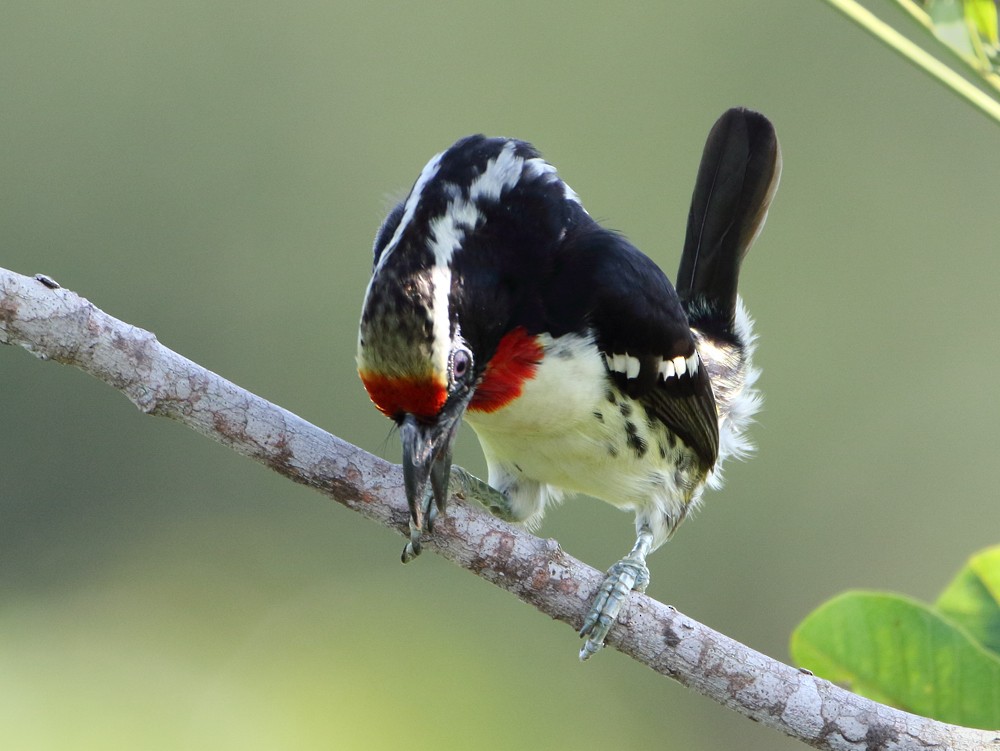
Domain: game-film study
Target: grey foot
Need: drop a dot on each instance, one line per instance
(628, 574)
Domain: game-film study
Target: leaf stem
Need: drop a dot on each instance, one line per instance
(919, 57)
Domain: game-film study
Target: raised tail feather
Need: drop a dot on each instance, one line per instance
(738, 176)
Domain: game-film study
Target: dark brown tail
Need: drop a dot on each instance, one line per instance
(736, 181)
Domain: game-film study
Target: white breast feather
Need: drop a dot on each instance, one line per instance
(551, 440)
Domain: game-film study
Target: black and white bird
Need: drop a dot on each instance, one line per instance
(497, 298)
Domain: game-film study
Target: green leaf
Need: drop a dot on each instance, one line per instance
(982, 14)
(898, 651)
(972, 599)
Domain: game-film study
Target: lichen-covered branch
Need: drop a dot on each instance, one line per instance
(56, 324)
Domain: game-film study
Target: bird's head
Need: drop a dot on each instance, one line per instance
(451, 289)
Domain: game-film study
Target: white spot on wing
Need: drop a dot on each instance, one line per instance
(692, 364)
(632, 366)
(667, 369)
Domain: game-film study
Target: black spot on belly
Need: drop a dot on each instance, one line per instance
(612, 450)
(610, 396)
(625, 408)
(635, 441)
(599, 416)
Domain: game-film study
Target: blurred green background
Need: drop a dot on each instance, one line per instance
(215, 172)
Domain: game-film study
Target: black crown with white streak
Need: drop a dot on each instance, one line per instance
(497, 298)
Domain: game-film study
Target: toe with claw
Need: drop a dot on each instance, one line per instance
(469, 486)
(630, 573)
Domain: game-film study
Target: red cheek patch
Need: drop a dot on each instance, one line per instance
(395, 395)
(515, 361)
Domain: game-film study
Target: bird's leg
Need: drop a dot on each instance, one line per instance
(628, 574)
(468, 486)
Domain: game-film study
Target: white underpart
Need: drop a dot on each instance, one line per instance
(550, 441)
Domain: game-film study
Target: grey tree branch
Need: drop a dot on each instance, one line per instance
(56, 324)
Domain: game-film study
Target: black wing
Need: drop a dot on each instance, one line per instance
(598, 276)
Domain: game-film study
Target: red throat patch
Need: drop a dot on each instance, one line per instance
(516, 360)
(396, 395)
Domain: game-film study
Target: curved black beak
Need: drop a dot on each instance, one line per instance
(427, 458)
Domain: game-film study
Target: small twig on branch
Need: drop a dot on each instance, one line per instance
(57, 324)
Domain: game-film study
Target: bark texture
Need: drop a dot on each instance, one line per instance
(57, 324)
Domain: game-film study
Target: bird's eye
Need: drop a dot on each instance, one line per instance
(461, 363)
